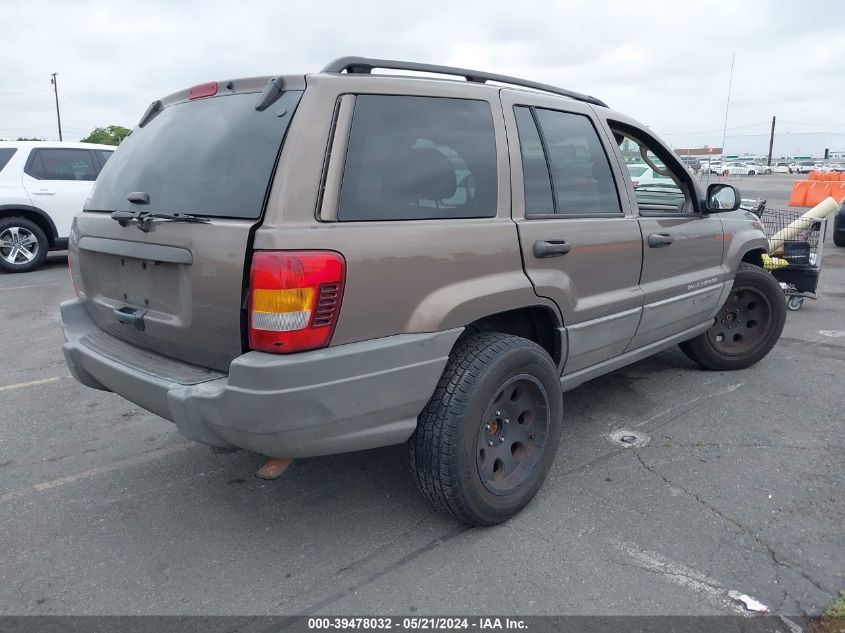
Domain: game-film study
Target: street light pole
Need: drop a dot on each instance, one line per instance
(55, 83)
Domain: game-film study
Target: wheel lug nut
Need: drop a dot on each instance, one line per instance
(498, 412)
(501, 439)
(507, 421)
(531, 436)
(490, 443)
(487, 426)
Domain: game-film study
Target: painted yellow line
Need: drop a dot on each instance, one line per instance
(33, 383)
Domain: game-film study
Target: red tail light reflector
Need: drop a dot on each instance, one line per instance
(294, 299)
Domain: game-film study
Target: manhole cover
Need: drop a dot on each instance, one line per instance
(627, 438)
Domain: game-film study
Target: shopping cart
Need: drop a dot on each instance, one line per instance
(795, 255)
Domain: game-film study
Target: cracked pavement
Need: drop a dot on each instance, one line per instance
(105, 509)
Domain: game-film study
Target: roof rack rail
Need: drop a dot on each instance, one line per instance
(365, 65)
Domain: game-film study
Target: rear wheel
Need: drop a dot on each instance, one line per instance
(487, 438)
(23, 245)
(747, 326)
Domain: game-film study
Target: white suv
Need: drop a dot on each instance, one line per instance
(42, 186)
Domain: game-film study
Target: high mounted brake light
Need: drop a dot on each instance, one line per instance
(203, 90)
(294, 299)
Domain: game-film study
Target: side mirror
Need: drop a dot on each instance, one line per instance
(722, 197)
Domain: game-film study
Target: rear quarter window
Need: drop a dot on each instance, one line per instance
(413, 158)
(6, 154)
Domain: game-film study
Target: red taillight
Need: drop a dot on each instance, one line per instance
(294, 299)
(203, 90)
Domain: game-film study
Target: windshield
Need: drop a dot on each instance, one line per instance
(211, 157)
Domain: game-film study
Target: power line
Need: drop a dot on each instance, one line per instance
(738, 127)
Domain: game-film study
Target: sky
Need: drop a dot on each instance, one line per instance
(666, 63)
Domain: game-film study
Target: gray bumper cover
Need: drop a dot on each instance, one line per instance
(339, 399)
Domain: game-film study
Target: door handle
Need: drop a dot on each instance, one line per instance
(552, 248)
(44, 192)
(657, 240)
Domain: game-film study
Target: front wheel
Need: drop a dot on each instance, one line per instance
(487, 438)
(746, 327)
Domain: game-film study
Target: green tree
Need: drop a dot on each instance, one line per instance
(111, 135)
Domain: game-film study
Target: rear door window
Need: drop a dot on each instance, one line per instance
(565, 167)
(61, 164)
(535, 169)
(413, 158)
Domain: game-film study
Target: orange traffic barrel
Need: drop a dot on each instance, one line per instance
(814, 175)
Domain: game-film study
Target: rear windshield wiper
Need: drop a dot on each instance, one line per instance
(145, 218)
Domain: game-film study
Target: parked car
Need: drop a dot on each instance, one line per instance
(782, 167)
(735, 169)
(806, 166)
(761, 167)
(642, 175)
(42, 186)
(436, 269)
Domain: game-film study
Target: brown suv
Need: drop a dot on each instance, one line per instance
(306, 265)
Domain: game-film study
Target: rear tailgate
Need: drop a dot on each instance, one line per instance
(177, 288)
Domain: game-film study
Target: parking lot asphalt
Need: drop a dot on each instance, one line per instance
(106, 509)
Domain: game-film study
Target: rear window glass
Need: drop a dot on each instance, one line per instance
(211, 157)
(419, 158)
(61, 164)
(6, 154)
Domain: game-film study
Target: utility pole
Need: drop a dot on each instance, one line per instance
(55, 83)
(771, 141)
(728, 105)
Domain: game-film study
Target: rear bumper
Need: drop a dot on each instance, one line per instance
(339, 399)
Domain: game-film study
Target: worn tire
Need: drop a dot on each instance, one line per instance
(839, 237)
(33, 229)
(701, 349)
(443, 448)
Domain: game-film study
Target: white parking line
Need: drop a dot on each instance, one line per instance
(49, 283)
(135, 460)
(679, 574)
(33, 383)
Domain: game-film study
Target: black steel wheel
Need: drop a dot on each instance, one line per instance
(746, 327)
(485, 441)
(512, 434)
(742, 323)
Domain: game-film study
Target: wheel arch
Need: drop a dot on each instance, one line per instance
(754, 256)
(537, 323)
(34, 214)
